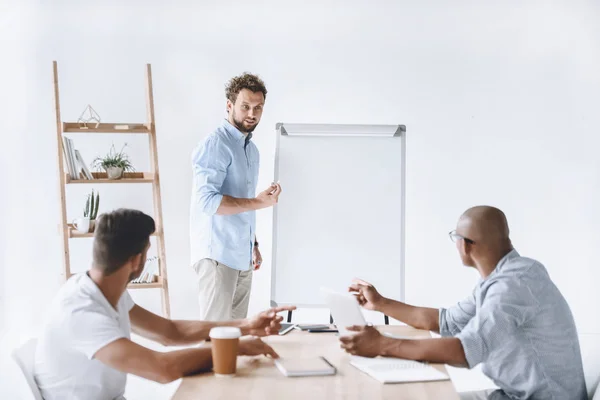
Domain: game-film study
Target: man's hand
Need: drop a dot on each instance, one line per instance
(270, 196)
(255, 347)
(367, 342)
(265, 323)
(256, 258)
(366, 294)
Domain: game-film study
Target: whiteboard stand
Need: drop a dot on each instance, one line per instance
(342, 212)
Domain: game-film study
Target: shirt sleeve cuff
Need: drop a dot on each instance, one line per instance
(91, 352)
(214, 203)
(473, 346)
(444, 329)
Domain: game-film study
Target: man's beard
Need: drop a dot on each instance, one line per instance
(240, 125)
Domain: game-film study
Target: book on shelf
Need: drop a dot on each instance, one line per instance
(73, 159)
(82, 167)
(76, 166)
(68, 160)
(149, 273)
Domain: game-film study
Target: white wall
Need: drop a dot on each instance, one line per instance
(500, 100)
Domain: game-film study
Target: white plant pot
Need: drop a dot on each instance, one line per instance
(114, 172)
(82, 225)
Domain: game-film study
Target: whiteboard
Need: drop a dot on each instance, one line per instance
(341, 211)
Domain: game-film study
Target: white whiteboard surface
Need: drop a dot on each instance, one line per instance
(341, 212)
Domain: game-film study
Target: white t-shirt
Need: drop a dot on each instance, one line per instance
(80, 322)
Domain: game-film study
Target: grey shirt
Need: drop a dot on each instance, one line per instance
(517, 323)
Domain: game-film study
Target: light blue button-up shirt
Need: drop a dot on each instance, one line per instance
(518, 324)
(226, 163)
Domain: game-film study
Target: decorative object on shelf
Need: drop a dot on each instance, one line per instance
(114, 163)
(149, 272)
(91, 210)
(82, 225)
(88, 115)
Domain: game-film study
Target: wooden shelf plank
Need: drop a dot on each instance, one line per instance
(74, 127)
(153, 285)
(145, 177)
(74, 234)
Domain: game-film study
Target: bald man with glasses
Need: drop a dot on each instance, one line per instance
(515, 322)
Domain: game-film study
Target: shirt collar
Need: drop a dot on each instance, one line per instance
(95, 293)
(236, 134)
(503, 261)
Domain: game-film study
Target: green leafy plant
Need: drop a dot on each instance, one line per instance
(114, 159)
(91, 206)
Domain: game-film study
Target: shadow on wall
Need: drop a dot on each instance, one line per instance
(6, 373)
(3, 242)
(590, 354)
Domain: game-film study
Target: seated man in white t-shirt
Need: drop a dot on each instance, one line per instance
(85, 351)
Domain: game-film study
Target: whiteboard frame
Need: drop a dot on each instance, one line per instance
(340, 130)
(346, 131)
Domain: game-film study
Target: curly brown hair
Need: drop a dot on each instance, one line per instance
(245, 81)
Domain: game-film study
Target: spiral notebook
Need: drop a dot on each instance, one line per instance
(312, 366)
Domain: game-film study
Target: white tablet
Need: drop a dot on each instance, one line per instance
(344, 309)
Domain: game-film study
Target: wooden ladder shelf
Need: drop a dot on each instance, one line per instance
(152, 177)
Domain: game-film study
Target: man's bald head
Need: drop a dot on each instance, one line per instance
(485, 225)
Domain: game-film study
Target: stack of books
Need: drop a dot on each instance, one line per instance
(75, 164)
(149, 273)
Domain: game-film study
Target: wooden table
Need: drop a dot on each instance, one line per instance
(258, 378)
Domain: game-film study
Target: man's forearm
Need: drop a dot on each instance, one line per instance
(180, 363)
(233, 205)
(190, 332)
(418, 317)
(443, 351)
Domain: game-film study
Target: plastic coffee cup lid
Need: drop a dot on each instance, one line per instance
(225, 332)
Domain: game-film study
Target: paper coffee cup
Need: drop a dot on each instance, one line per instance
(225, 342)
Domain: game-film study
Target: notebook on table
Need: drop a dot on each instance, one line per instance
(311, 366)
(395, 370)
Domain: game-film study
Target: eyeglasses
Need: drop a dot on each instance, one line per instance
(455, 237)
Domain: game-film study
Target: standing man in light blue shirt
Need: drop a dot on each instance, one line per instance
(516, 322)
(224, 248)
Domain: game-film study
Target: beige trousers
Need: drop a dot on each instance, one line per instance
(224, 293)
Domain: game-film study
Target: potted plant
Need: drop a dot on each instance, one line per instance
(115, 164)
(91, 209)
